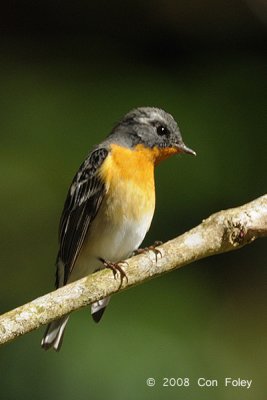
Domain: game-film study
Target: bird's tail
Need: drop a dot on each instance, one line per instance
(54, 333)
(98, 308)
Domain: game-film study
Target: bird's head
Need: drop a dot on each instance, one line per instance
(151, 128)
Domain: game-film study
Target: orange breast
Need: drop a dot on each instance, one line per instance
(129, 178)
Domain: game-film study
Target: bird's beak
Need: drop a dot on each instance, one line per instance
(184, 149)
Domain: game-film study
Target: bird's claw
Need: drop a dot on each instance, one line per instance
(152, 248)
(116, 268)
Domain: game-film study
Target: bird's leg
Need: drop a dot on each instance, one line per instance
(115, 268)
(157, 252)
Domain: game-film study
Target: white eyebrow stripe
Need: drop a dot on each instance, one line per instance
(152, 117)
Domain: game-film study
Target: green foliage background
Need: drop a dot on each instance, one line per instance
(60, 95)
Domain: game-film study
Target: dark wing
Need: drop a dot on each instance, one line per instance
(81, 206)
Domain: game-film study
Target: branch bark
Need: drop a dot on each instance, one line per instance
(221, 232)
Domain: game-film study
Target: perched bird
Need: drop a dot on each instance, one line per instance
(111, 201)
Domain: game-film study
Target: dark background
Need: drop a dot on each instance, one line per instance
(68, 72)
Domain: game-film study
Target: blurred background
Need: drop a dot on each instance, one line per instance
(68, 72)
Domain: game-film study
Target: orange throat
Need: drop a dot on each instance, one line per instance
(135, 165)
(132, 166)
(129, 180)
(160, 154)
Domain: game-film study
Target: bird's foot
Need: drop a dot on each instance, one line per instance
(152, 248)
(116, 268)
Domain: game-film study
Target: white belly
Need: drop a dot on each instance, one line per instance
(110, 240)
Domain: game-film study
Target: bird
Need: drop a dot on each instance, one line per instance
(111, 201)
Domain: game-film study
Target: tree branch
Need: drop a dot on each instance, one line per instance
(221, 232)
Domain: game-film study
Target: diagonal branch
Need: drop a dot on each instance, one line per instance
(221, 232)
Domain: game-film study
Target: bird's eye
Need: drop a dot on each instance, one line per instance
(162, 130)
